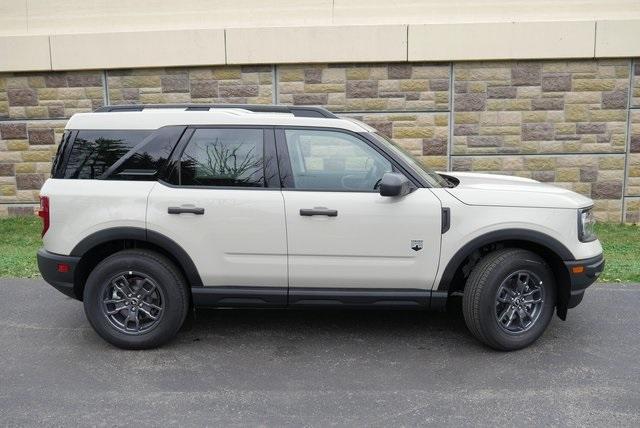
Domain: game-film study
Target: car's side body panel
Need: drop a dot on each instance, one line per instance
(80, 208)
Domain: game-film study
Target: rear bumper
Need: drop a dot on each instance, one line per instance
(591, 269)
(49, 263)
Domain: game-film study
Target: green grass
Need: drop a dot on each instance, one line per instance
(19, 242)
(621, 250)
(20, 239)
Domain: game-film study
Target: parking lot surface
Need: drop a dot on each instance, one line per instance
(317, 368)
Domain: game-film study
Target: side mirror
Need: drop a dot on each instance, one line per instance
(394, 184)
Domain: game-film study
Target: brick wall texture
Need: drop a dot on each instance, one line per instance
(575, 124)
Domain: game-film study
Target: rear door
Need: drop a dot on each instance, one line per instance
(223, 205)
(343, 237)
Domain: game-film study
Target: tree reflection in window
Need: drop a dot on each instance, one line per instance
(224, 157)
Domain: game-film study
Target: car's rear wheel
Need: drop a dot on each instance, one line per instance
(509, 299)
(136, 299)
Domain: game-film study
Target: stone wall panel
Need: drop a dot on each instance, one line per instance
(241, 85)
(540, 107)
(49, 95)
(635, 90)
(633, 157)
(26, 151)
(366, 87)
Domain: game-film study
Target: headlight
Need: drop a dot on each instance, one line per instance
(586, 223)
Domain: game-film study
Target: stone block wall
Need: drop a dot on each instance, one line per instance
(572, 123)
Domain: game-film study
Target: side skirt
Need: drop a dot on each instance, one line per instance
(348, 298)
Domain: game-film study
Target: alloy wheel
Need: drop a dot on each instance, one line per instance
(519, 302)
(133, 303)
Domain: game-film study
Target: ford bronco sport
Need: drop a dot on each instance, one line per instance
(153, 210)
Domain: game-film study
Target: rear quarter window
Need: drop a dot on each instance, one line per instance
(94, 152)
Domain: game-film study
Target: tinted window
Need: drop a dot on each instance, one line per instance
(224, 157)
(94, 152)
(330, 160)
(56, 167)
(147, 159)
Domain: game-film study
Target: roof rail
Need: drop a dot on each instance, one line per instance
(298, 111)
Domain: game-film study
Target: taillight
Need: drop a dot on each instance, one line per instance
(43, 213)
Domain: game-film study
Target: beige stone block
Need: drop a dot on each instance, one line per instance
(593, 84)
(607, 116)
(389, 86)
(467, 117)
(576, 113)
(25, 167)
(441, 120)
(7, 190)
(477, 87)
(414, 85)
(226, 73)
(403, 132)
(500, 130)
(513, 163)
(324, 87)
(540, 164)
(583, 98)
(34, 156)
(287, 74)
(435, 162)
(568, 174)
(611, 162)
(538, 116)
(357, 73)
(486, 164)
(17, 145)
(334, 75)
(509, 104)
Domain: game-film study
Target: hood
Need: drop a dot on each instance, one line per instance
(505, 190)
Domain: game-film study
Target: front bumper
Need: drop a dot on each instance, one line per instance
(582, 274)
(53, 272)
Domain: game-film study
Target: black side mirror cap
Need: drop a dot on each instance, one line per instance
(394, 184)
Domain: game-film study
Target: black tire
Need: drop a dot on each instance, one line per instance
(480, 305)
(161, 273)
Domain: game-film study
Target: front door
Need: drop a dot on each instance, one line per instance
(344, 239)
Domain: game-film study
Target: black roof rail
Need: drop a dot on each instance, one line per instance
(298, 111)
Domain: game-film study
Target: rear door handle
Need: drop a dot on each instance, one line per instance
(307, 212)
(185, 210)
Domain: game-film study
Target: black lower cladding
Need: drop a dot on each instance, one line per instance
(50, 266)
(593, 267)
(298, 297)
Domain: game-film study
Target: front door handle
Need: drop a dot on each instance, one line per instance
(185, 210)
(307, 212)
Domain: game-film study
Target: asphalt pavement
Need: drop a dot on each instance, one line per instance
(317, 368)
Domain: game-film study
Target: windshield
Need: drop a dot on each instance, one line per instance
(433, 178)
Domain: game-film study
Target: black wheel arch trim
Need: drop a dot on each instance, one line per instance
(527, 235)
(140, 234)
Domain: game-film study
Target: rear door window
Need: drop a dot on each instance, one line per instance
(224, 157)
(95, 151)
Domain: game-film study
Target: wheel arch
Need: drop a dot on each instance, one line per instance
(95, 247)
(550, 249)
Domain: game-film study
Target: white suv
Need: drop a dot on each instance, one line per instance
(153, 210)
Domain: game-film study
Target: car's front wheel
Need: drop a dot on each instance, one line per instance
(509, 299)
(136, 299)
